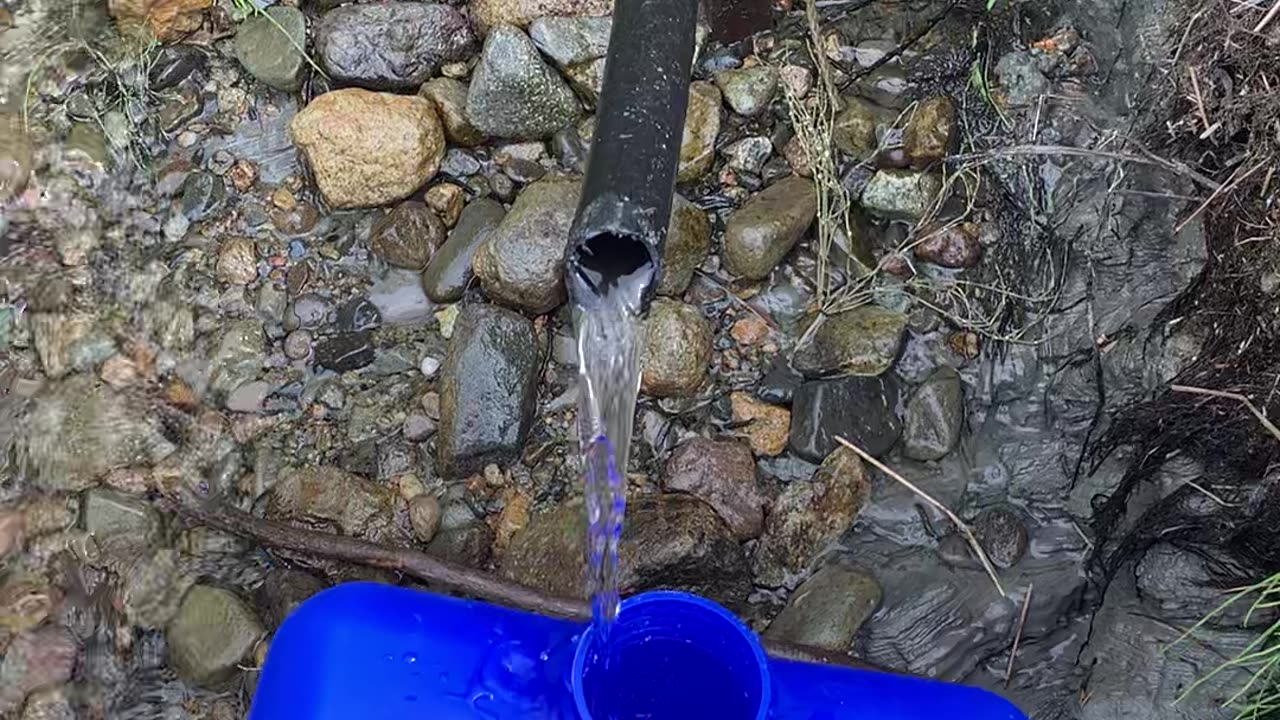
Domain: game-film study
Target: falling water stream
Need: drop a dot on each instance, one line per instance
(608, 318)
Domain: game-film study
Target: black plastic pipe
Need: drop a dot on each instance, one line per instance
(615, 244)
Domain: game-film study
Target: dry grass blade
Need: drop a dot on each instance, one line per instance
(1262, 418)
(955, 519)
(1017, 638)
(1222, 189)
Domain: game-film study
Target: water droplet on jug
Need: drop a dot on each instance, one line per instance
(410, 698)
(390, 657)
(410, 658)
(444, 677)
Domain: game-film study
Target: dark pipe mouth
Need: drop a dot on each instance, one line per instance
(607, 263)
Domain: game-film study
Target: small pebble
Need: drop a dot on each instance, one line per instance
(418, 428)
(409, 486)
(424, 516)
(237, 261)
(431, 404)
(243, 174)
(187, 139)
(297, 345)
(446, 199)
(430, 366)
(455, 70)
(11, 532)
(750, 330)
(797, 80)
(282, 198)
(119, 371)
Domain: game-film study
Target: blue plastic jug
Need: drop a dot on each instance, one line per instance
(377, 652)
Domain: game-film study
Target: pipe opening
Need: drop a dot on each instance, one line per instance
(606, 263)
(671, 656)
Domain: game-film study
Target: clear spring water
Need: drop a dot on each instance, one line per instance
(610, 331)
(609, 374)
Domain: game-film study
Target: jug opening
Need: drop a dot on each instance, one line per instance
(671, 656)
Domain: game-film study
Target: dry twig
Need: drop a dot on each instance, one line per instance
(1017, 638)
(1262, 418)
(955, 519)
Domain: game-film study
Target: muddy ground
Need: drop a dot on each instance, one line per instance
(279, 260)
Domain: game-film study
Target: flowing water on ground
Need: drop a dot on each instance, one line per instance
(609, 336)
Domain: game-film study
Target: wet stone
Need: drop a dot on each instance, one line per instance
(808, 516)
(668, 541)
(213, 631)
(418, 428)
(569, 149)
(309, 311)
(491, 13)
(862, 341)
(571, 40)
(828, 609)
(329, 499)
(688, 242)
(202, 194)
(701, 127)
(488, 390)
(175, 64)
(779, 384)
(749, 154)
(931, 133)
(270, 46)
(407, 236)
(677, 350)
(391, 45)
(957, 246)
(854, 130)
(424, 515)
(723, 474)
(112, 516)
(345, 352)
(934, 417)
(522, 262)
(523, 171)
(449, 271)
(446, 200)
(765, 426)
(367, 148)
(748, 90)
(759, 235)
(1002, 533)
(450, 98)
(459, 163)
(514, 94)
(358, 314)
(35, 660)
(864, 410)
(283, 590)
(901, 194)
(249, 397)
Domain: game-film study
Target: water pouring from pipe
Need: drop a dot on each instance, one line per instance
(614, 259)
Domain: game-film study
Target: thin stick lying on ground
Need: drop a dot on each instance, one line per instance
(1270, 427)
(955, 519)
(410, 562)
(1017, 638)
(1195, 85)
(1224, 188)
(1266, 19)
(1033, 150)
(420, 566)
